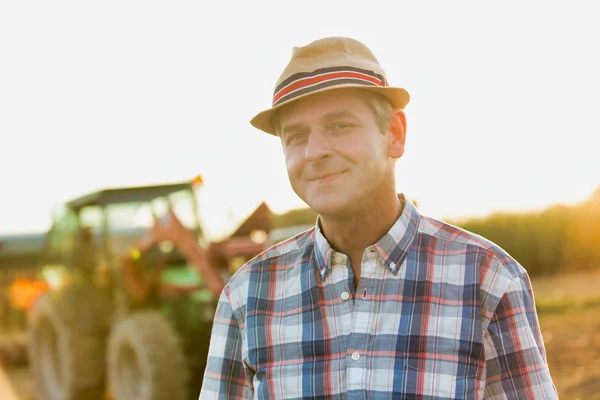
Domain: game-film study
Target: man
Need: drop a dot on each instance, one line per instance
(376, 301)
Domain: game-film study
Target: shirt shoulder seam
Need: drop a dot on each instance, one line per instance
(488, 248)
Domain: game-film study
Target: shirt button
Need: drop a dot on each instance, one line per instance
(345, 296)
(355, 356)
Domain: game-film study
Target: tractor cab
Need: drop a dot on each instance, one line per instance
(97, 229)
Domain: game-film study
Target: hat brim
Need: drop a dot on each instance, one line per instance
(398, 97)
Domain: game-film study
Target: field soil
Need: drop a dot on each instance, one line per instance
(569, 312)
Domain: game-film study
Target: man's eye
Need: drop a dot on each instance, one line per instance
(340, 125)
(294, 138)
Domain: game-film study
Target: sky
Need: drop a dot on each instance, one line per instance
(504, 111)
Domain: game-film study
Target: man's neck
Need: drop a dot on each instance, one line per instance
(353, 234)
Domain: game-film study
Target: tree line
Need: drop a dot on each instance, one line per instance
(557, 239)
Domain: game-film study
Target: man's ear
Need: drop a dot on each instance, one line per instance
(398, 134)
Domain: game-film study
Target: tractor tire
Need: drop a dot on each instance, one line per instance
(146, 361)
(66, 363)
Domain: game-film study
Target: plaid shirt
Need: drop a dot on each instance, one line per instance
(439, 313)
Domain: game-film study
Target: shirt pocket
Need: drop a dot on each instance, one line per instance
(441, 376)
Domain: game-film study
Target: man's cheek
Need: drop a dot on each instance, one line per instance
(294, 167)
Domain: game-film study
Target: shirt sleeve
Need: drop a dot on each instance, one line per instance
(225, 376)
(516, 363)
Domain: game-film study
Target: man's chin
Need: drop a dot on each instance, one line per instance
(329, 207)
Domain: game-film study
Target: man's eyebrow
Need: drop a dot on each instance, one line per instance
(290, 128)
(327, 117)
(339, 114)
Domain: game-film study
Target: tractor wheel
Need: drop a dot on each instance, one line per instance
(145, 360)
(66, 364)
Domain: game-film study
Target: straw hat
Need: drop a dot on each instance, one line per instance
(326, 64)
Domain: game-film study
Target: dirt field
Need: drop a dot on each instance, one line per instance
(569, 311)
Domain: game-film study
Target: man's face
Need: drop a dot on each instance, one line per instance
(337, 158)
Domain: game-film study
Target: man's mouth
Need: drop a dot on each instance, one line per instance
(326, 177)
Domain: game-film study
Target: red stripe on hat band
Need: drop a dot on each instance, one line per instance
(304, 82)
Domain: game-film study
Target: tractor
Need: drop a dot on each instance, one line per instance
(133, 287)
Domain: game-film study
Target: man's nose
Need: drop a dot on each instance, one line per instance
(318, 146)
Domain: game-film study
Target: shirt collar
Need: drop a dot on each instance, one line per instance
(392, 247)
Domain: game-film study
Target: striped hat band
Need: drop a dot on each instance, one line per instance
(306, 82)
